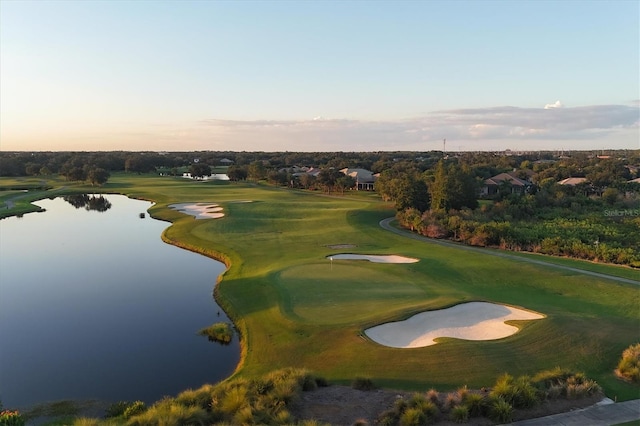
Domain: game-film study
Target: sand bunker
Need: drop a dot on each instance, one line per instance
(392, 258)
(468, 321)
(199, 210)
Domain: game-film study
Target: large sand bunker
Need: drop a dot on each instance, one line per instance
(199, 210)
(468, 321)
(392, 258)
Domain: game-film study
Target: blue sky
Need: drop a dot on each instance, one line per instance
(319, 75)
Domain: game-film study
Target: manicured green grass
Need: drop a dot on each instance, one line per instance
(295, 308)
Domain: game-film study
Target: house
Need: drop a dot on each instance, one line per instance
(365, 179)
(226, 161)
(572, 181)
(515, 184)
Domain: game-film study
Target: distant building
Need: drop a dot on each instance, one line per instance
(226, 161)
(515, 184)
(365, 179)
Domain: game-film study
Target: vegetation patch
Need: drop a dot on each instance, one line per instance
(629, 365)
(220, 332)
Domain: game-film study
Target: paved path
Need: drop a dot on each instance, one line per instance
(385, 224)
(597, 415)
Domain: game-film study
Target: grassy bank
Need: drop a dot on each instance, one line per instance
(295, 308)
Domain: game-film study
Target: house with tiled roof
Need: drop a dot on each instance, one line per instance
(515, 184)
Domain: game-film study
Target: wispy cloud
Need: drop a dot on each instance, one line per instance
(504, 126)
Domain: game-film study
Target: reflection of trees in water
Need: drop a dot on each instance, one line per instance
(89, 202)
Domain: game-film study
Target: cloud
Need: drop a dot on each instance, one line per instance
(492, 128)
(557, 104)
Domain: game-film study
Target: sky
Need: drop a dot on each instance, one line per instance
(319, 75)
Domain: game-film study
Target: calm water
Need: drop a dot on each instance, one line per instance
(94, 305)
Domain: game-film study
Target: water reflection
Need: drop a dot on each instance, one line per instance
(113, 317)
(89, 202)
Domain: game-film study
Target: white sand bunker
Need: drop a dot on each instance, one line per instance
(392, 258)
(199, 210)
(468, 321)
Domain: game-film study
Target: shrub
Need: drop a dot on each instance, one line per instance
(474, 402)
(418, 400)
(116, 409)
(196, 398)
(412, 417)
(629, 365)
(135, 408)
(363, 384)
(430, 410)
(234, 400)
(451, 401)
(388, 418)
(433, 396)
(322, 382)
(462, 392)
(11, 418)
(459, 414)
(500, 410)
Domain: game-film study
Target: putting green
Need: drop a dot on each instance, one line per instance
(343, 293)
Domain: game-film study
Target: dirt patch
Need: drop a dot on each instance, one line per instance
(343, 405)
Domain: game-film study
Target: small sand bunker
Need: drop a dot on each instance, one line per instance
(392, 258)
(467, 321)
(199, 210)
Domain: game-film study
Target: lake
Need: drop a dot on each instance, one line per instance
(94, 305)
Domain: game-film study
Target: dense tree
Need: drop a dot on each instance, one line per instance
(344, 182)
(256, 171)
(327, 179)
(199, 170)
(453, 187)
(98, 176)
(237, 173)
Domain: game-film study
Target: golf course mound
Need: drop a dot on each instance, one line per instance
(467, 321)
(391, 258)
(199, 210)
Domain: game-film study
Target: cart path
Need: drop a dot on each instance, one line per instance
(386, 224)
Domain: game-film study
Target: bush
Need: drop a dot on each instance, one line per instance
(116, 409)
(474, 402)
(500, 410)
(135, 408)
(363, 384)
(460, 414)
(433, 396)
(11, 418)
(412, 417)
(629, 365)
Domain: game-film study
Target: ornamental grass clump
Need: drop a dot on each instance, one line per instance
(11, 418)
(629, 365)
(459, 414)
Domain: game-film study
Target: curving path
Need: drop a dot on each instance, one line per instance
(386, 224)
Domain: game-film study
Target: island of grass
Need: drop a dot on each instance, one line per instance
(294, 308)
(221, 332)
